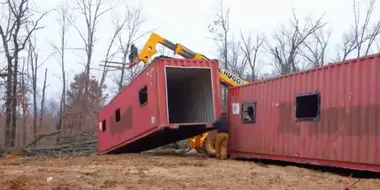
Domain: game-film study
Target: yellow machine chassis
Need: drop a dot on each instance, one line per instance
(205, 142)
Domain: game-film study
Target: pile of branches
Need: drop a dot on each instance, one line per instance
(81, 144)
(77, 139)
(70, 149)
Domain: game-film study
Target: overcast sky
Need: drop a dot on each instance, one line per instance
(186, 22)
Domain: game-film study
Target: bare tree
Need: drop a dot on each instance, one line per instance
(61, 50)
(220, 29)
(288, 43)
(132, 31)
(347, 47)
(92, 11)
(52, 108)
(24, 100)
(236, 59)
(43, 100)
(314, 49)
(371, 38)
(14, 39)
(251, 51)
(363, 34)
(33, 63)
(109, 55)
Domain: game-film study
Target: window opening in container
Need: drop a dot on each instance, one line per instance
(308, 107)
(248, 115)
(143, 95)
(117, 115)
(104, 125)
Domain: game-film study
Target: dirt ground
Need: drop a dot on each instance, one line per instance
(164, 171)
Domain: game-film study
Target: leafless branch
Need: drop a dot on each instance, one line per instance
(314, 50)
(35, 26)
(361, 35)
(251, 51)
(219, 29)
(64, 22)
(288, 43)
(92, 11)
(237, 61)
(118, 27)
(40, 136)
(134, 20)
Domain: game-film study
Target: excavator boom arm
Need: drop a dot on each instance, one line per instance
(149, 49)
(227, 78)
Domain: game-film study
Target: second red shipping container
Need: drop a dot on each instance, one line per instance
(325, 116)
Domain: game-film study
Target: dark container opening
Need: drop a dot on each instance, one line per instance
(189, 95)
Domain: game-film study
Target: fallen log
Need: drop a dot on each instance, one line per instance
(59, 147)
(40, 136)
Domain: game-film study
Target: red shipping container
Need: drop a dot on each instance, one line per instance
(325, 116)
(170, 100)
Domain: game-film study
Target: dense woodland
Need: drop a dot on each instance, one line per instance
(299, 44)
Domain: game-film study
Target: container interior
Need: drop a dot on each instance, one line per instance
(189, 95)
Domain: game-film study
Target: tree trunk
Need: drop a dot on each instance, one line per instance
(62, 103)
(63, 95)
(43, 100)
(8, 110)
(35, 97)
(122, 72)
(14, 103)
(24, 125)
(24, 105)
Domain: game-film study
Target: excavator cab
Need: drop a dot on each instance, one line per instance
(133, 55)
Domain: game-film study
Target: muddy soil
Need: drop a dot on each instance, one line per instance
(164, 171)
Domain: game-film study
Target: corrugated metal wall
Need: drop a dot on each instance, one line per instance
(200, 98)
(349, 125)
(135, 118)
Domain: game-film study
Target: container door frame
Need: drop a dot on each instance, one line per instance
(187, 67)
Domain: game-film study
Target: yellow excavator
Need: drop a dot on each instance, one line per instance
(204, 141)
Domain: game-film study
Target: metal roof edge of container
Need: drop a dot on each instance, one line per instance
(329, 65)
(153, 63)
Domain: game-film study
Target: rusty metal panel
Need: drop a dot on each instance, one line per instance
(346, 133)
